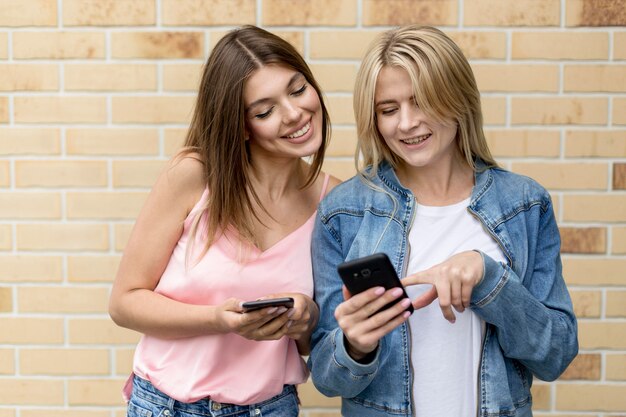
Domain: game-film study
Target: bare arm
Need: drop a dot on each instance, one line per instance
(135, 305)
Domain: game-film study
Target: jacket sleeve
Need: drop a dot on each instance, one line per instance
(533, 317)
(333, 371)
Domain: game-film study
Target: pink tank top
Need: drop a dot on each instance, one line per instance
(227, 367)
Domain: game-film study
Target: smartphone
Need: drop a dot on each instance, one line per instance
(371, 271)
(269, 302)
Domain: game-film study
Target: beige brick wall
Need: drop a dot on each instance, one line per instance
(95, 96)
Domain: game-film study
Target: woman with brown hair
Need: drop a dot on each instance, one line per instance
(228, 221)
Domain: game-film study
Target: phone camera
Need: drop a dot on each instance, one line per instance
(366, 273)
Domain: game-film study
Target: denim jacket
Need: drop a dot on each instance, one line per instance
(530, 325)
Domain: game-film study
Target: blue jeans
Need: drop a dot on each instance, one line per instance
(147, 401)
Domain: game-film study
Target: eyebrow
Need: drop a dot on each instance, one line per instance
(383, 102)
(389, 101)
(291, 82)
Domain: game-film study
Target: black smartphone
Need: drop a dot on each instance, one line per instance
(269, 302)
(371, 271)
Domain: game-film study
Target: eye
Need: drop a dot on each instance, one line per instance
(264, 115)
(388, 111)
(300, 90)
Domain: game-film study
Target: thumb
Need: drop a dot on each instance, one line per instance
(233, 304)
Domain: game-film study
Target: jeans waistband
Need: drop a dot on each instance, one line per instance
(145, 390)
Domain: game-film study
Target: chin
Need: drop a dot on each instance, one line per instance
(312, 146)
(416, 162)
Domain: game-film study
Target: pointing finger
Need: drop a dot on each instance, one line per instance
(422, 277)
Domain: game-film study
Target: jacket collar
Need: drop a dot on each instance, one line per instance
(388, 176)
(482, 179)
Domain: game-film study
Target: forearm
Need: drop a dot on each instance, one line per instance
(334, 372)
(151, 313)
(540, 334)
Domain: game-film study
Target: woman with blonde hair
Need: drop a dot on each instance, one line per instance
(480, 241)
(229, 221)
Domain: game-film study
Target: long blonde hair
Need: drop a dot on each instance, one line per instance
(217, 130)
(443, 85)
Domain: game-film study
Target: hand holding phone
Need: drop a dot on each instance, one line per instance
(286, 302)
(361, 274)
(362, 334)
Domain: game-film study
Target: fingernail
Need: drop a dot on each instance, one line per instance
(271, 310)
(281, 310)
(406, 314)
(405, 303)
(396, 292)
(289, 323)
(452, 321)
(291, 311)
(379, 291)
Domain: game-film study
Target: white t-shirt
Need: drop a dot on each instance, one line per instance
(445, 356)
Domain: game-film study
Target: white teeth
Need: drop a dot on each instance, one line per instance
(416, 140)
(300, 132)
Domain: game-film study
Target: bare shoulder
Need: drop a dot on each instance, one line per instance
(332, 182)
(187, 168)
(182, 179)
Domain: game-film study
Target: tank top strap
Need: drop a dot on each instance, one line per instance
(324, 186)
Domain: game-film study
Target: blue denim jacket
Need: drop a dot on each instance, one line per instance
(531, 328)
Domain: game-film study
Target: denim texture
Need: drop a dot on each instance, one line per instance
(147, 401)
(531, 328)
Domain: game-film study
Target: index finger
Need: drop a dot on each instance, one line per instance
(357, 301)
(421, 277)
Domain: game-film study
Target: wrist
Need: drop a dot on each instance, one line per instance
(481, 274)
(215, 321)
(357, 355)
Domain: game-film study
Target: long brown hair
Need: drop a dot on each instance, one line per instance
(217, 130)
(443, 85)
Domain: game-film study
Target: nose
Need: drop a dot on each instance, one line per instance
(410, 118)
(291, 113)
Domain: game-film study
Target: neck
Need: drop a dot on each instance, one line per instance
(442, 183)
(274, 180)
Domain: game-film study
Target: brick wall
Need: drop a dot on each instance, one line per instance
(95, 96)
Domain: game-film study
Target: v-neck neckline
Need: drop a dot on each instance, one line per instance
(284, 238)
(230, 243)
(234, 247)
